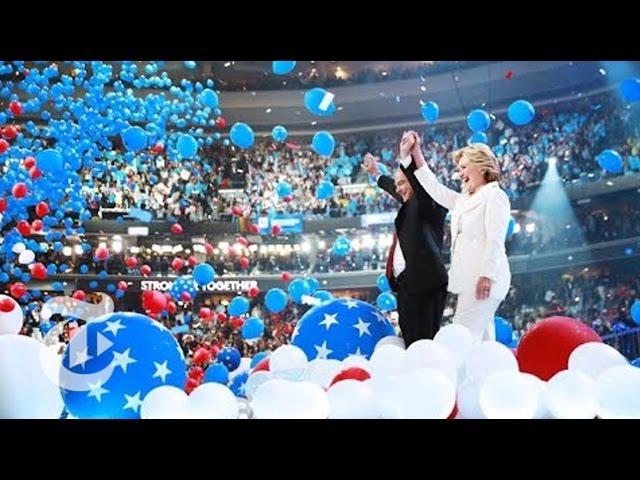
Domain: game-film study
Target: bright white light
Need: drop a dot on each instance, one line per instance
(134, 249)
(102, 245)
(553, 161)
(178, 249)
(517, 228)
(263, 249)
(116, 246)
(166, 249)
(367, 241)
(530, 227)
(223, 245)
(305, 246)
(253, 248)
(78, 250)
(322, 244)
(66, 251)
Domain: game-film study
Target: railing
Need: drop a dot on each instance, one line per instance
(627, 342)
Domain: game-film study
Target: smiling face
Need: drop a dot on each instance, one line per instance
(403, 187)
(471, 175)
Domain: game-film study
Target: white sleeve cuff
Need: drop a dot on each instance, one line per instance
(405, 161)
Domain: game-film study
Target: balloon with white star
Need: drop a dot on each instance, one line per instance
(185, 283)
(114, 361)
(340, 328)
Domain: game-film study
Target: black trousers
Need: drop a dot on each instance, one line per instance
(419, 315)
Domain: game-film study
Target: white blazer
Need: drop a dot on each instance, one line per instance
(479, 224)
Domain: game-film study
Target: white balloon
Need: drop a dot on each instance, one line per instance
(356, 361)
(26, 257)
(254, 381)
(593, 358)
(165, 402)
(287, 357)
(427, 393)
(618, 392)
(490, 357)
(284, 399)
(468, 401)
(322, 371)
(19, 248)
(458, 339)
(541, 386)
(429, 354)
(386, 392)
(26, 390)
(11, 322)
(390, 340)
(213, 401)
(509, 395)
(388, 360)
(351, 399)
(571, 395)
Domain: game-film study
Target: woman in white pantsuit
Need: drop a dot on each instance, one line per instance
(479, 273)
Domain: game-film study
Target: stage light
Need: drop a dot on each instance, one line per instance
(66, 251)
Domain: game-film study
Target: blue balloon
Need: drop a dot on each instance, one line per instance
(50, 161)
(257, 358)
(340, 328)
(478, 120)
(430, 112)
(92, 285)
(229, 357)
(204, 274)
(298, 288)
(323, 295)
(276, 300)
(126, 355)
(319, 102)
(182, 284)
(314, 284)
(238, 306)
(190, 64)
(324, 190)
(216, 373)
(252, 328)
(209, 98)
(630, 89)
(242, 135)
(383, 283)
(521, 112)
(504, 331)
(282, 67)
(511, 227)
(479, 137)
(636, 362)
(187, 146)
(134, 138)
(610, 160)
(279, 133)
(341, 246)
(84, 269)
(323, 143)
(238, 384)
(635, 312)
(386, 302)
(284, 189)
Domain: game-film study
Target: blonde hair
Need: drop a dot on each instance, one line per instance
(482, 156)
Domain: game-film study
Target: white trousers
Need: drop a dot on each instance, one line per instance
(477, 315)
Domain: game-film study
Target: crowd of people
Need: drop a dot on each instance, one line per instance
(574, 133)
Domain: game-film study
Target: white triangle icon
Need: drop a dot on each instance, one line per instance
(104, 344)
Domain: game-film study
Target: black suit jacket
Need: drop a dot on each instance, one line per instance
(420, 229)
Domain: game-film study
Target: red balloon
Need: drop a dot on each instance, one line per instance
(288, 328)
(193, 261)
(155, 303)
(3, 205)
(177, 264)
(285, 277)
(196, 372)
(191, 385)
(262, 366)
(236, 322)
(185, 297)
(7, 305)
(79, 295)
(102, 253)
(236, 210)
(37, 225)
(15, 107)
(158, 148)
(145, 270)
(34, 173)
(171, 308)
(221, 122)
(243, 241)
(201, 356)
(122, 285)
(205, 314)
(24, 228)
(19, 190)
(42, 209)
(18, 289)
(254, 228)
(131, 262)
(276, 229)
(208, 248)
(221, 317)
(352, 373)
(29, 162)
(9, 132)
(244, 262)
(176, 228)
(38, 271)
(508, 75)
(214, 351)
(254, 292)
(453, 413)
(545, 349)
(287, 198)
(4, 145)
